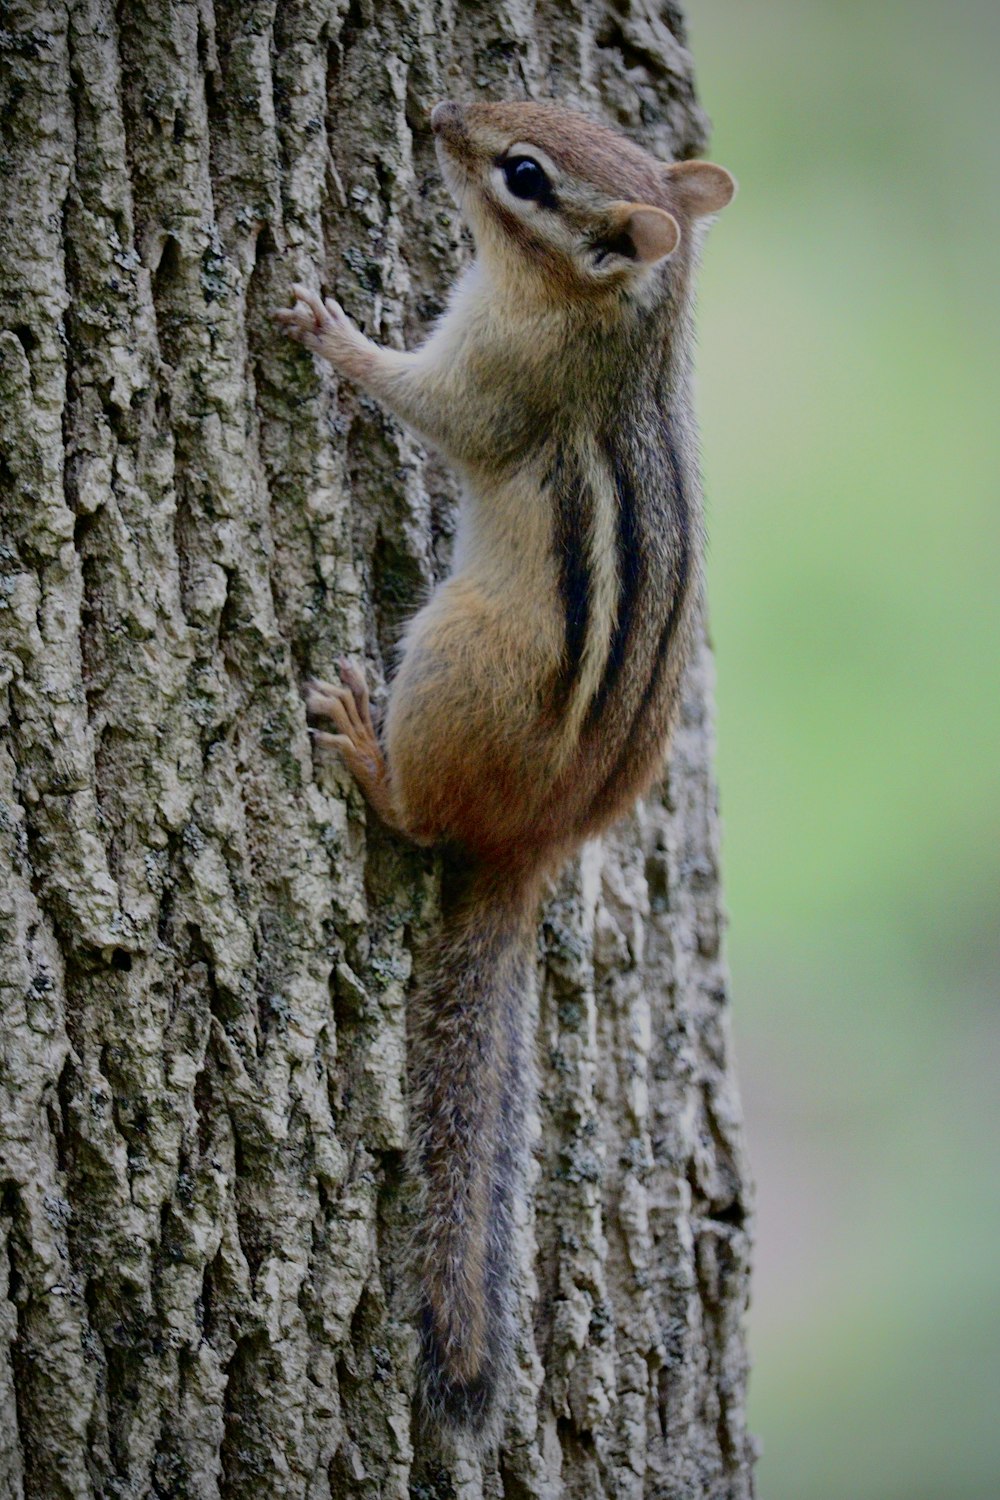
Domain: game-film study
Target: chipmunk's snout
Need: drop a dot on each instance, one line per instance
(454, 150)
(446, 117)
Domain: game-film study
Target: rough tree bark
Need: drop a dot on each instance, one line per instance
(207, 944)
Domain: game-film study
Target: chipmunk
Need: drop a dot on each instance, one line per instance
(535, 691)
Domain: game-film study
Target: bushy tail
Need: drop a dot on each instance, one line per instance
(470, 1079)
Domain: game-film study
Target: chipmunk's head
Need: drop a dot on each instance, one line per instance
(543, 187)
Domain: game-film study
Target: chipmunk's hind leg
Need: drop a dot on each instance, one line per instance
(346, 705)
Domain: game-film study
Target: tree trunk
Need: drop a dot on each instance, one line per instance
(208, 943)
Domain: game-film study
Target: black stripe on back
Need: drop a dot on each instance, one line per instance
(572, 516)
(630, 571)
(681, 512)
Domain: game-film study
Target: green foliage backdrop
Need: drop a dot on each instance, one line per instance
(849, 332)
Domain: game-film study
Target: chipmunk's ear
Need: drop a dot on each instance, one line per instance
(699, 187)
(651, 233)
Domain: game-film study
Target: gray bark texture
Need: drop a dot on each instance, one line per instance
(207, 942)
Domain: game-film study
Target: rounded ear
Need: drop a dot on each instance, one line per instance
(700, 187)
(652, 233)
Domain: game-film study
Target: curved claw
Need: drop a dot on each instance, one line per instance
(313, 301)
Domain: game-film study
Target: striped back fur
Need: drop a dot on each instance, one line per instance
(627, 535)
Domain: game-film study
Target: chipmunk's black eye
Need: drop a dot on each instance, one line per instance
(526, 179)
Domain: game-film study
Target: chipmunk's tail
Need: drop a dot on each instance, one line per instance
(470, 1078)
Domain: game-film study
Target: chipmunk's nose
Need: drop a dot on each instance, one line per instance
(445, 113)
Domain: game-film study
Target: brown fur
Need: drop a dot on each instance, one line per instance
(536, 689)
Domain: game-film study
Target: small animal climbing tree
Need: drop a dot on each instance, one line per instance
(207, 945)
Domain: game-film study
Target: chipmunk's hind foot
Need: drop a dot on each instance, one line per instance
(347, 707)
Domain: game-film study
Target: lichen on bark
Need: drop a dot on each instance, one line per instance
(207, 944)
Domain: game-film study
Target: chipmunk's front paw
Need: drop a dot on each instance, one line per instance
(323, 327)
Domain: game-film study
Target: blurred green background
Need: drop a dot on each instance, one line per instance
(849, 336)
